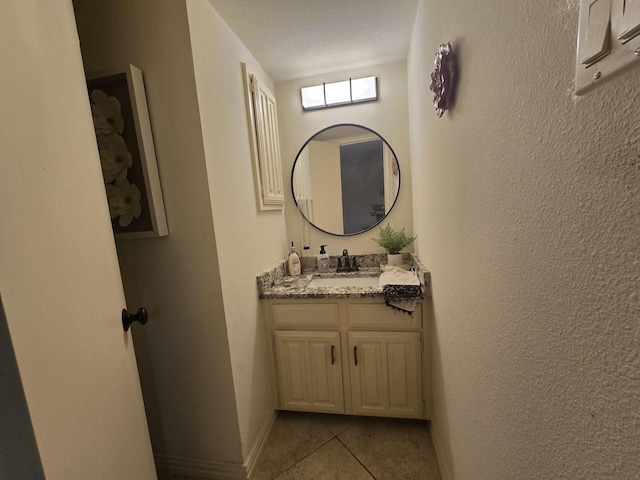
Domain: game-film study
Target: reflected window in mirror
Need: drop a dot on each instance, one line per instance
(345, 179)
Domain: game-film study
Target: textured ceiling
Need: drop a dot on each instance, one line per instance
(297, 38)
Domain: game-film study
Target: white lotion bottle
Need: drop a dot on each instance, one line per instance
(323, 260)
(293, 262)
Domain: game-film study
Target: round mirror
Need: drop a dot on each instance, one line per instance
(345, 179)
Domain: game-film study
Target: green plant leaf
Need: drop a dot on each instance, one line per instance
(392, 241)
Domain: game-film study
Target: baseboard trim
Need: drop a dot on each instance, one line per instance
(173, 464)
(255, 453)
(440, 452)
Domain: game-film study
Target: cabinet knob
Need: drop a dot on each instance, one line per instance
(333, 354)
(128, 318)
(355, 355)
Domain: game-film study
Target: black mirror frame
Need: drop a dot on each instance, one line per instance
(395, 200)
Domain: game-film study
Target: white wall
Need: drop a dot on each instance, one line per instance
(526, 209)
(326, 186)
(388, 117)
(248, 241)
(20, 457)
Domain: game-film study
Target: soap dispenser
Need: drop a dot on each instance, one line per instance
(323, 260)
(293, 262)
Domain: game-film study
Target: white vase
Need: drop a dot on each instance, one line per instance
(394, 259)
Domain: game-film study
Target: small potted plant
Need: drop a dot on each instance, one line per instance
(393, 242)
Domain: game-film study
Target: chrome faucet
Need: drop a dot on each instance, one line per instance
(348, 266)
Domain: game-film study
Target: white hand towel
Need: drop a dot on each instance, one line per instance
(398, 276)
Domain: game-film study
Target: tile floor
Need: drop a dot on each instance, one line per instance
(305, 446)
(309, 446)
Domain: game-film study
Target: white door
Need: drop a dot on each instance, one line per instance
(368, 374)
(59, 277)
(385, 373)
(309, 371)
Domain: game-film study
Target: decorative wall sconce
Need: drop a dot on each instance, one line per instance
(443, 78)
(346, 92)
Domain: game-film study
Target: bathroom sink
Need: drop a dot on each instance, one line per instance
(317, 282)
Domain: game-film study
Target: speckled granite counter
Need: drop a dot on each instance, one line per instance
(275, 284)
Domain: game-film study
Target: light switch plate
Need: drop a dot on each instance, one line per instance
(630, 26)
(598, 37)
(624, 53)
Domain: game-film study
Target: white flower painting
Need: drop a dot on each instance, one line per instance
(124, 202)
(120, 115)
(107, 113)
(115, 158)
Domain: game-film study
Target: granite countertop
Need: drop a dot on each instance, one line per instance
(297, 287)
(275, 284)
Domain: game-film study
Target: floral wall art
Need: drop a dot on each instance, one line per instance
(127, 156)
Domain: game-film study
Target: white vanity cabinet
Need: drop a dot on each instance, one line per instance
(348, 355)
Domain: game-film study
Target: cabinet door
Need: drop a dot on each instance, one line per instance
(385, 373)
(309, 370)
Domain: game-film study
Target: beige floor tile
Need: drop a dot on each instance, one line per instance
(331, 462)
(337, 423)
(294, 436)
(392, 449)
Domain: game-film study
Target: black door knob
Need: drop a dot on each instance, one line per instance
(128, 318)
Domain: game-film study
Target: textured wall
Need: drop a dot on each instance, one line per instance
(526, 203)
(247, 241)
